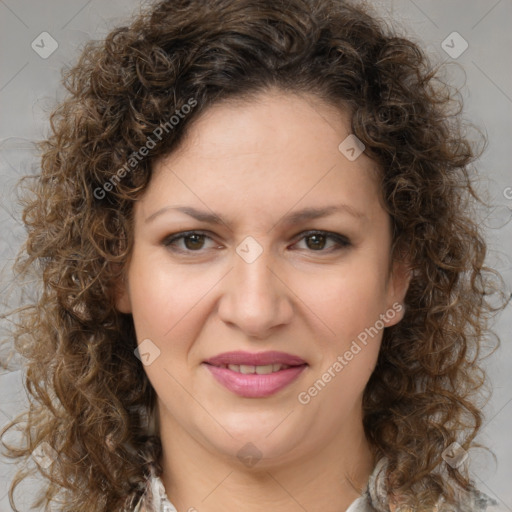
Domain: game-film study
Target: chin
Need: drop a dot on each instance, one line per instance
(254, 449)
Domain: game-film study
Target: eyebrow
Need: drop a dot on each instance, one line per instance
(291, 218)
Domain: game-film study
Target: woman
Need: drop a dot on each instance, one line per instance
(262, 286)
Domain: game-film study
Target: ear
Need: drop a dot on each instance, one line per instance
(122, 295)
(398, 284)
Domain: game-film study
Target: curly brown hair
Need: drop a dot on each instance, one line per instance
(90, 398)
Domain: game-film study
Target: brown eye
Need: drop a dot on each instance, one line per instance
(317, 241)
(191, 241)
(194, 242)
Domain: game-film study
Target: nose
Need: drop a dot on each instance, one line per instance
(255, 297)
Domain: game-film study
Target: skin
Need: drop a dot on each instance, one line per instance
(252, 164)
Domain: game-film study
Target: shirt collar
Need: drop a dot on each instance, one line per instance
(373, 499)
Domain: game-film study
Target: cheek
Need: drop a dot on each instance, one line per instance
(350, 305)
(165, 298)
(345, 300)
(167, 304)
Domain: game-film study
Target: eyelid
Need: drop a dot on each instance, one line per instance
(342, 240)
(183, 234)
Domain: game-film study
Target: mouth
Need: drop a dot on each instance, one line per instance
(248, 369)
(258, 359)
(255, 375)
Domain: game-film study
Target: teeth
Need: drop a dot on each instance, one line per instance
(268, 368)
(260, 370)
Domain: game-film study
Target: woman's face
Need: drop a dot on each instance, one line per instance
(256, 282)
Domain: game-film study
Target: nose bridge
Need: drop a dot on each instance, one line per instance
(255, 299)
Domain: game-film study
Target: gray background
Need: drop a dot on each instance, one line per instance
(29, 88)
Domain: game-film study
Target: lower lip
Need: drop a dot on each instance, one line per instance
(255, 385)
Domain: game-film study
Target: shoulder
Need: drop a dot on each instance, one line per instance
(374, 499)
(154, 498)
(377, 498)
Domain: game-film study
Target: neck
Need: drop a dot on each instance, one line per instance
(327, 478)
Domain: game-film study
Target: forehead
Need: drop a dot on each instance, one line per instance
(269, 123)
(273, 151)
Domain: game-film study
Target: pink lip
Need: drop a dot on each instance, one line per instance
(254, 385)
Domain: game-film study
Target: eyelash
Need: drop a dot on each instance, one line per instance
(341, 241)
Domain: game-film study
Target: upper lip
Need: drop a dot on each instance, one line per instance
(255, 359)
